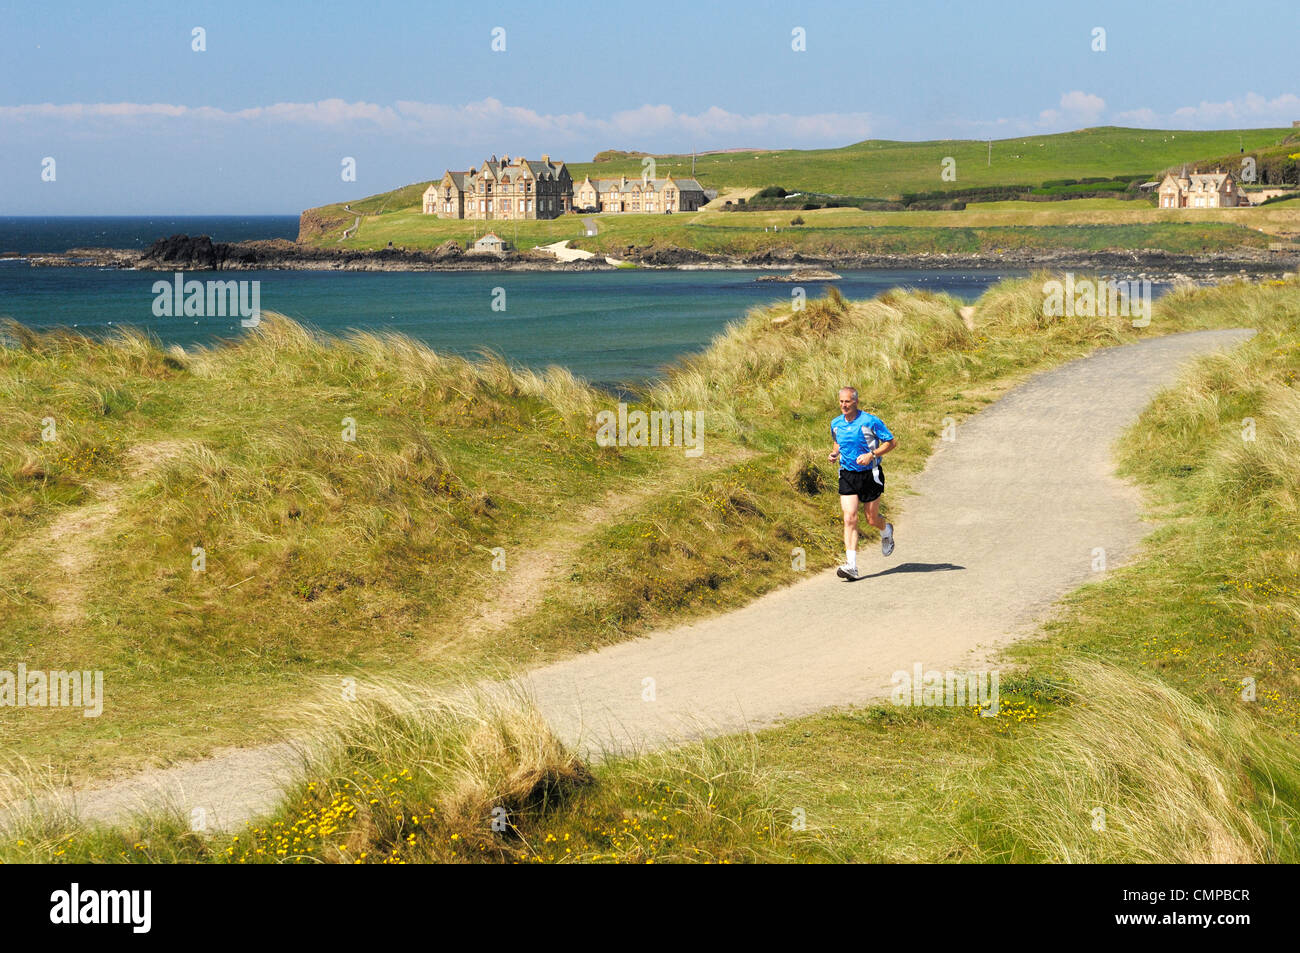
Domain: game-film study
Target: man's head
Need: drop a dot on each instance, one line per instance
(848, 399)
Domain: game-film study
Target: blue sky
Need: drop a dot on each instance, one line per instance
(139, 122)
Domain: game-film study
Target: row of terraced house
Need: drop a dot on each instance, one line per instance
(517, 188)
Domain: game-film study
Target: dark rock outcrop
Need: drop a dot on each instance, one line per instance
(668, 255)
(198, 253)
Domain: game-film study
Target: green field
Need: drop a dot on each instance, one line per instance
(1130, 701)
(885, 169)
(881, 169)
(845, 232)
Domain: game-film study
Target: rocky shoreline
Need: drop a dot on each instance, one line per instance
(200, 253)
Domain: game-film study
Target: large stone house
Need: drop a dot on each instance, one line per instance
(1201, 190)
(638, 195)
(503, 189)
(506, 189)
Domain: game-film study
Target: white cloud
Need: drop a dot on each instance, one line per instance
(1079, 103)
(1143, 117)
(1076, 108)
(1252, 108)
(325, 111)
(1249, 110)
(491, 118)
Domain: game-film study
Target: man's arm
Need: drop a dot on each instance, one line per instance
(835, 451)
(871, 456)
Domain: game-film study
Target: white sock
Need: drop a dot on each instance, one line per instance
(852, 556)
(889, 530)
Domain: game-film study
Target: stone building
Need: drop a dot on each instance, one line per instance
(503, 189)
(1201, 190)
(491, 243)
(638, 195)
(511, 189)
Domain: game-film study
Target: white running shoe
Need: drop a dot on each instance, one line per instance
(887, 540)
(848, 572)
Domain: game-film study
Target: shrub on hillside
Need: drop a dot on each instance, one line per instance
(805, 475)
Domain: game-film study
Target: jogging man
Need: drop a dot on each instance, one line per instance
(860, 440)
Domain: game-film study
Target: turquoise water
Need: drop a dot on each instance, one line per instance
(610, 327)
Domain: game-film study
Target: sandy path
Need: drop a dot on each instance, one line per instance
(1003, 521)
(71, 537)
(563, 252)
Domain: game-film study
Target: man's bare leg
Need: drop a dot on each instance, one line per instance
(873, 514)
(849, 507)
(886, 529)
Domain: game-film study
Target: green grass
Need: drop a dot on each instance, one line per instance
(850, 233)
(886, 169)
(327, 558)
(1131, 702)
(879, 168)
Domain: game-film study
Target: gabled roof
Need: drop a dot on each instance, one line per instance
(1197, 181)
(655, 185)
(495, 170)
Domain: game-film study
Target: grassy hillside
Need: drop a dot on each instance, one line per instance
(1131, 702)
(843, 232)
(328, 557)
(885, 169)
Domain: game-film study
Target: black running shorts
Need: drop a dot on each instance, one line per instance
(862, 484)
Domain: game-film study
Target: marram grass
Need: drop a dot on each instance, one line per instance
(1153, 657)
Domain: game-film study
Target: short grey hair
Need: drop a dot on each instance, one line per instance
(847, 387)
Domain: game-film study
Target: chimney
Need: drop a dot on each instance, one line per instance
(546, 159)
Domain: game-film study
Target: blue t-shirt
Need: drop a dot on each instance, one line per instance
(862, 435)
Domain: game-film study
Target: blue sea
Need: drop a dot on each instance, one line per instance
(44, 234)
(612, 328)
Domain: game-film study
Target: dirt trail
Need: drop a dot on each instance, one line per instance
(1001, 523)
(532, 574)
(526, 583)
(72, 536)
